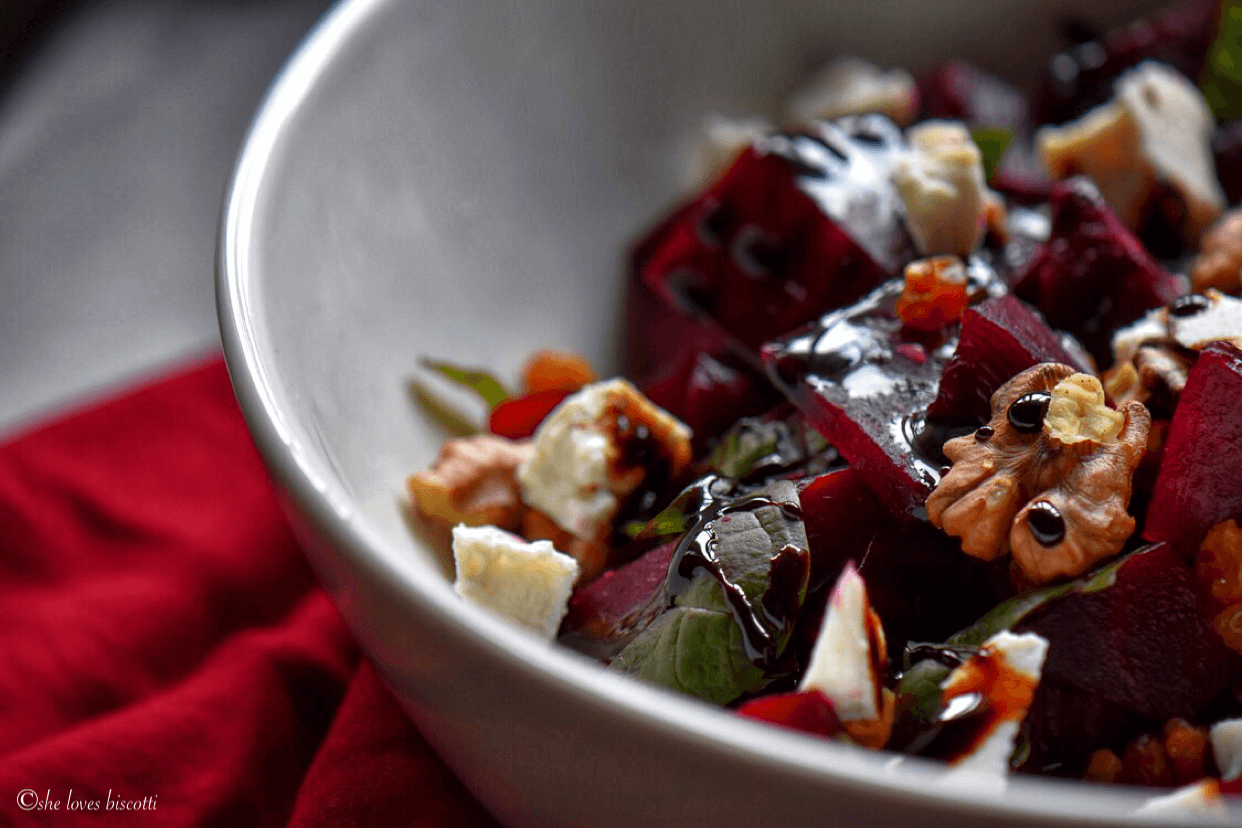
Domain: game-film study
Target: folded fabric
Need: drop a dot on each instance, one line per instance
(166, 657)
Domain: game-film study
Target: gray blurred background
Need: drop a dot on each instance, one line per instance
(119, 124)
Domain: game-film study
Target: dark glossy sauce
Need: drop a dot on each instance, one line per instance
(697, 552)
(982, 693)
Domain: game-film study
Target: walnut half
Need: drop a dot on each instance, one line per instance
(1048, 479)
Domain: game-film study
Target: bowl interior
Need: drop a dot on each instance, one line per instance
(461, 180)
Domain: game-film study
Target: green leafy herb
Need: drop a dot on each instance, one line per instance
(444, 413)
(757, 444)
(490, 389)
(705, 643)
(1221, 83)
(992, 142)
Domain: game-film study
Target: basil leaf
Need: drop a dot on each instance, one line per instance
(759, 444)
(480, 382)
(992, 143)
(442, 412)
(1221, 83)
(735, 588)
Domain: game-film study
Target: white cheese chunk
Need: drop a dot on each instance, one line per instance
(841, 660)
(941, 184)
(573, 475)
(1220, 319)
(1226, 740)
(1020, 654)
(1198, 799)
(852, 86)
(1157, 128)
(529, 583)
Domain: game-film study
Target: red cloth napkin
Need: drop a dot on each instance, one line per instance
(166, 656)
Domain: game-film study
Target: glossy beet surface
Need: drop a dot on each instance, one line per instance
(1199, 484)
(863, 383)
(1000, 338)
(1093, 275)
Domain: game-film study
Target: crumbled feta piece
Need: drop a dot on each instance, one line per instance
(1206, 318)
(529, 583)
(723, 139)
(841, 663)
(577, 474)
(1021, 657)
(1157, 128)
(1198, 799)
(1226, 737)
(941, 184)
(1220, 317)
(852, 86)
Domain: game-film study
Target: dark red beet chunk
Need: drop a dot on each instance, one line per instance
(861, 384)
(1124, 659)
(607, 612)
(1093, 275)
(961, 92)
(1200, 479)
(796, 227)
(1000, 337)
(1083, 76)
(709, 393)
(920, 583)
(807, 710)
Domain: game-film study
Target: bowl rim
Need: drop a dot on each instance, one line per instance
(324, 503)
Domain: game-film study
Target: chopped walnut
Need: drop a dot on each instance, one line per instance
(1219, 263)
(472, 481)
(549, 370)
(1218, 565)
(1154, 355)
(1077, 413)
(1019, 486)
(934, 294)
(1175, 756)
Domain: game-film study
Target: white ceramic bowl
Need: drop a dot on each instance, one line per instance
(459, 179)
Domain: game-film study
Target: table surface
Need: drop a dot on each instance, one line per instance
(118, 134)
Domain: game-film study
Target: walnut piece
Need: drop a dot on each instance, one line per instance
(1057, 506)
(1077, 413)
(472, 481)
(1219, 263)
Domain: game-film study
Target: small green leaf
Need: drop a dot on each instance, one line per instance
(444, 413)
(1221, 82)
(992, 142)
(477, 380)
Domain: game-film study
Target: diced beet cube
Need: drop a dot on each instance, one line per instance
(807, 710)
(1000, 338)
(861, 383)
(1082, 77)
(799, 224)
(709, 393)
(919, 582)
(605, 614)
(1200, 479)
(961, 92)
(1093, 275)
(1124, 658)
